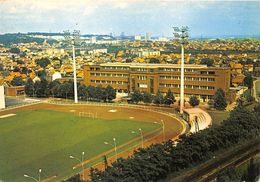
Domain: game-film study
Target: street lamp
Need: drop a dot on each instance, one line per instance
(81, 161)
(141, 134)
(39, 176)
(163, 127)
(115, 147)
(182, 36)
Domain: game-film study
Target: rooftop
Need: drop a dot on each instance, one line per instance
(146, 65)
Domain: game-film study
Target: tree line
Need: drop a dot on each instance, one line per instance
(43, 88)
(157, 161)
(147, 98)
(218, 102)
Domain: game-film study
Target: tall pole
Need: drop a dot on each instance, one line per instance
(75, 75)
(82, 165)
(40, 170)
(181, 34)
(81, 161)
(142, 137)
(115, 147)
(182, 80)
(163, 127)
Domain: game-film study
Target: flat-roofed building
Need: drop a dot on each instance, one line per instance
(200, 80)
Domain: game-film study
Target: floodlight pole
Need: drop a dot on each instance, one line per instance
(182, 35)
(182, 80)
(75, 74)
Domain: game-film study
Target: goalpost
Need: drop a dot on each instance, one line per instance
(88, 115)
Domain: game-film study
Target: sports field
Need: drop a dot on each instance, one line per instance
(45, 138)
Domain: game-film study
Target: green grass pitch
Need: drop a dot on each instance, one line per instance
(45, 139)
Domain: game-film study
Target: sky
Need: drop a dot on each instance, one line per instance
(133, 17)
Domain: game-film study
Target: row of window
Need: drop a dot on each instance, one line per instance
(187, 78)
(116, 68)
(109, 82)
(177, 69)
(197, 87)
(109, 75)
(142, 77)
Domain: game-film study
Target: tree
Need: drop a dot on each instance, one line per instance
(158, 99)
(53, 87)
(192, 61)
(257, 110)
(169, 98)
(17, 81)
(229, 174)
(15, 50)
(43, 62)
(29, 87)
(220, 102)
(154, 60)
(91, 92)
(194, 101)
(147, 98)
(207, 61)
(100, 94)
(82, 92)
(136, 97)
(248, 80)
(63, 90)
(110, 93)
(42, 90)
(1, 67)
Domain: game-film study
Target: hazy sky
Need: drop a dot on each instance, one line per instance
(134, 17)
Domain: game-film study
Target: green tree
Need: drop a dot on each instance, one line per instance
(158, 99)
(15, 50)
(42, 88)
(257, 110)
(29, 87)
(82, 92)
(147, 98)
(194, 101)
(154, 60)
(17, 81)
(228, 175)
(43, 62)
(91, 91)
(110, 93)
(248, 80)
(99, 93)
(169, 98)
(207, 61)
(1, 67)
(64, 90)
(53, 87)
(136, 97)
(192, 61)
(220, 102)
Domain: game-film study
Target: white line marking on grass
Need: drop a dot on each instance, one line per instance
(7, 115)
